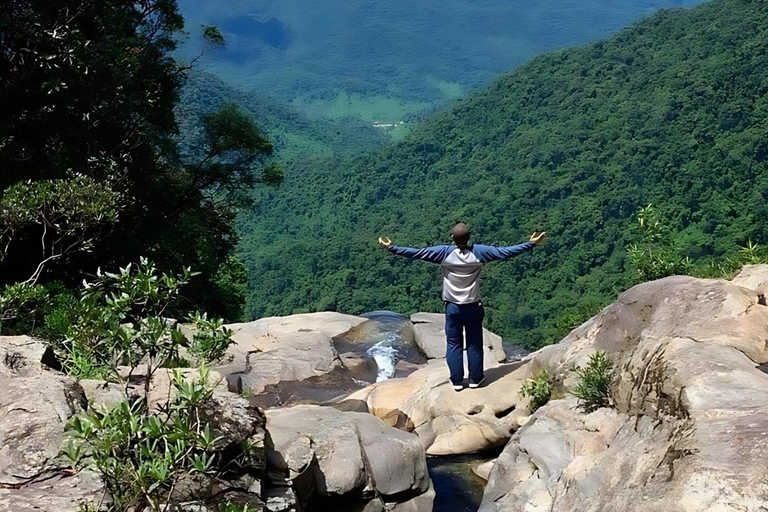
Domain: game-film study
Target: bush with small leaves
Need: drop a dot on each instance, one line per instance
(538, 389)
(24, 308)
(120, 319)
(211, 339)
(143, 455)
(594, 381)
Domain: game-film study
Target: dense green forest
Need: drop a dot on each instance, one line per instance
(673, 110)
(293, 134)
(92, 174)
(387, 61)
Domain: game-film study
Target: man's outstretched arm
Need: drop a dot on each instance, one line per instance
(486, 253)
(434, 254)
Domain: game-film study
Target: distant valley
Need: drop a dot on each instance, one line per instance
(390, 62)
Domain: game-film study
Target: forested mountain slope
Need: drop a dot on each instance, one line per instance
(293, 134)
(385, 60)
(673, 110)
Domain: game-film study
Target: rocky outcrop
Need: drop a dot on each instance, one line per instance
(278, 349)
(35, 405)
(330, 454)
(446, 421)
(689, 416)
(484, 470)
(429, 333)
(37, 402)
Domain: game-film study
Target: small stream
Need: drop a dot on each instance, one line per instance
(457, 488)
(376, 350)
(388, 340)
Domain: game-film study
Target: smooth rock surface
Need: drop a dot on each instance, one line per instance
(276, 349)
(429, 333)
(449, 422)
(689, 422)
(484, 470)
(753, 277)
(348, 453)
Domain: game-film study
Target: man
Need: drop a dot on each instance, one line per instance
(461, 265)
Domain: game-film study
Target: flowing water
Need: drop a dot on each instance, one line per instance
(376, 350)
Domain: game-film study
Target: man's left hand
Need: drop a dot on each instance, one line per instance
(538, 238)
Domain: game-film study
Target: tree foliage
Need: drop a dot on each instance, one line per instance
(87, 92)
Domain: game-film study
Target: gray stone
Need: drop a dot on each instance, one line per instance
(276, 349)
(54, 493)
(22, 356)
(352, 452)
(33, 413)
(689, 414)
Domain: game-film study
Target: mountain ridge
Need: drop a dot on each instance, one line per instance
(672, 110)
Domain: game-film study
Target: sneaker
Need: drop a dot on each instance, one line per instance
(458, 387)
(474, 385)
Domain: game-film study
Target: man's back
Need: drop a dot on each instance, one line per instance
(461, 276)
(461, 266)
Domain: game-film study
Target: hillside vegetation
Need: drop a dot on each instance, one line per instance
(292, 133)
(384, 61)
(672, 111)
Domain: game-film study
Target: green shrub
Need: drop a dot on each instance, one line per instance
(24, 307)
(142, 455)
(593, 381)
(211, 339)
(120, 319)
(538, 389)
(657, 256)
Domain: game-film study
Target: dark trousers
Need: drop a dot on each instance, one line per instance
(461, 319)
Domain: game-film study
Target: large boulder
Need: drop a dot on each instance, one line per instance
(429, 333)
(333, 454)
(37, 401)
(753, 277)
(689, 419)
(35, 404)
(446, 421)
(278, 349)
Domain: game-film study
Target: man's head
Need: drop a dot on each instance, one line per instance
(460, 234)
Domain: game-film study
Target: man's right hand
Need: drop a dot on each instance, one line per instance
(385, 242)
(538, 238)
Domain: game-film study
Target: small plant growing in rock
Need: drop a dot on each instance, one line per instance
(657, 256)
(593, 382)
(538, 389)
(143, 455)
